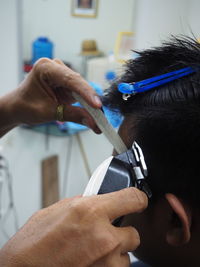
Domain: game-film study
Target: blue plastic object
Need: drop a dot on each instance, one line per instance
(126, 88)
(113, 117)
(145, 85)
(42, 47)
(110, 75)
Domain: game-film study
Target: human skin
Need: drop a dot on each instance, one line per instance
(77, 232)
(72, 232)
(49, 84)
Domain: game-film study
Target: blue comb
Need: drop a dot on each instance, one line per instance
(128, 89)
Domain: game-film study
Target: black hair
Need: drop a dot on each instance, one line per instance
(167, 118)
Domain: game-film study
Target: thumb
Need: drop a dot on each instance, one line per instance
(123, 202)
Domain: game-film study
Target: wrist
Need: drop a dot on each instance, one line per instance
(9, 110)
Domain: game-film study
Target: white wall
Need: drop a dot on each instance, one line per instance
(194, 17)
(53, 19)
(156, 20)
(25, 149)
(10, 50)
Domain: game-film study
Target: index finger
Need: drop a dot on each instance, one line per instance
(61, 76)
(123, 202)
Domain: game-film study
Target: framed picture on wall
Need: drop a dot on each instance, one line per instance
(84, 8)
(123, 46)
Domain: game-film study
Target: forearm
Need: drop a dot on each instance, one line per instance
(8, 116)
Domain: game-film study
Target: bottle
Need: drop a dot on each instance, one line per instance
(42, 47)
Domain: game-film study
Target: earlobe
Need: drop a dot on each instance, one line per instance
(179, 233)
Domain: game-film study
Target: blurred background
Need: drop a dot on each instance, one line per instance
(39, 165)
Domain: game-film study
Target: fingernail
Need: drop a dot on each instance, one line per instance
(97, 130)
(97, 100)
(85, 122)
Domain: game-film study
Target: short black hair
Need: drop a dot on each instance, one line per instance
(166, 118)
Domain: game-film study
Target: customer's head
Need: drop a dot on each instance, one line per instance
(165, 121)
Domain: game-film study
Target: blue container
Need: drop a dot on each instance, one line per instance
(42, 47)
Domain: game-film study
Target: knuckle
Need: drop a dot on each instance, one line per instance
(42, 66)
(71, 76)
(108, 242)
(57, 60)
(84, 208)
(93, 210)
(40, 62)
(76, 75)
(76, 206)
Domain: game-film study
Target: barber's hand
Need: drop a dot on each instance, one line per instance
(49, 84)
(77, 232)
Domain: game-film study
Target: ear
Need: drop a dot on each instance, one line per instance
(179, 233)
